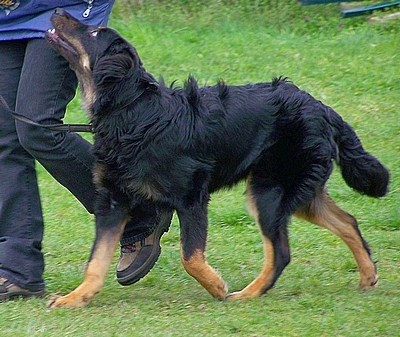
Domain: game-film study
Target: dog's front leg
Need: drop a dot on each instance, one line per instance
(194, 223)
(110, 223)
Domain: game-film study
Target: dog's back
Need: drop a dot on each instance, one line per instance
(176, 146)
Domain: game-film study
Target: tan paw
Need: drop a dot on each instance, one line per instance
(219, 291)
(241, 295)
(369, 283)
(69, 301)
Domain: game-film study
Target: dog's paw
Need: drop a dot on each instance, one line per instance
(69, 301)
(220, 291)
(241, 295)
(369, 283)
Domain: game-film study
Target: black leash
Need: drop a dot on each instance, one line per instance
(54, 127)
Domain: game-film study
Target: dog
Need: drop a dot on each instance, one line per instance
(175, 146)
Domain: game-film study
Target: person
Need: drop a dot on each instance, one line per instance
(37, 83)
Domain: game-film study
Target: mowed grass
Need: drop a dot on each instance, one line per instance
(348, 64)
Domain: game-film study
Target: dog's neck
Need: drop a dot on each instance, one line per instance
(88, 93)
(115, 96)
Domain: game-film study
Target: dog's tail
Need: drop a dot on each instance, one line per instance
(360, 170)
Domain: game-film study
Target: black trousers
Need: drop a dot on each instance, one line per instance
(37, 82)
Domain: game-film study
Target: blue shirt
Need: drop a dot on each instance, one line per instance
(26, 19)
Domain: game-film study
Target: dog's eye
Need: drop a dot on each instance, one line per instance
(94, 33)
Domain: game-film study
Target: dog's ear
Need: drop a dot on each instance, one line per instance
(146, 81)
(121, 46)
(111, 69)
(135, 56)
(153, 86)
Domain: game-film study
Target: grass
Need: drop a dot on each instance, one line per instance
(348, 64)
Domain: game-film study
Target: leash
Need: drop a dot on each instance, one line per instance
(53, 127)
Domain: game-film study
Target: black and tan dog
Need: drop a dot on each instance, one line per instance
(175, 146)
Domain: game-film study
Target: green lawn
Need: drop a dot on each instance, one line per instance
(350, 65)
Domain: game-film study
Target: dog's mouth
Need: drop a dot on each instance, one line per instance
(58, 41)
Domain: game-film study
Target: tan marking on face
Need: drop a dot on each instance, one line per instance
(80, 49)
(85, 60)
(84, 74)
(197, 267)
(85, 78)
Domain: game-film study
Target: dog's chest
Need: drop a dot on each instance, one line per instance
(146, 188)
(135, 162)
(137, 179)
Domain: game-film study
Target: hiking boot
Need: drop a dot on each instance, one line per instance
(9, 290)
(137, 259)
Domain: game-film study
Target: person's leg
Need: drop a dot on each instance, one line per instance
(68, 157)
(47, 85)
(21, 222)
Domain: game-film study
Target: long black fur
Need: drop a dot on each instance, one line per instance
(189, 141)
(175, 146)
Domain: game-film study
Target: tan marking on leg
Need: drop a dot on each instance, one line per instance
(198, 268)
(325, 213)
(264, 279)
(94, 276)
(99, 173)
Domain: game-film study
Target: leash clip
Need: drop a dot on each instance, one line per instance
(86, 13)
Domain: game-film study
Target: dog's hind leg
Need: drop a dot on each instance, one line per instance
(194, 223)
(265, 205)
(110, 224)
(323, 212)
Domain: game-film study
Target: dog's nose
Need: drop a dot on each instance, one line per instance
(59, 11)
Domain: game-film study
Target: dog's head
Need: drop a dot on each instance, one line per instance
(82, 46)
(99, 56)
